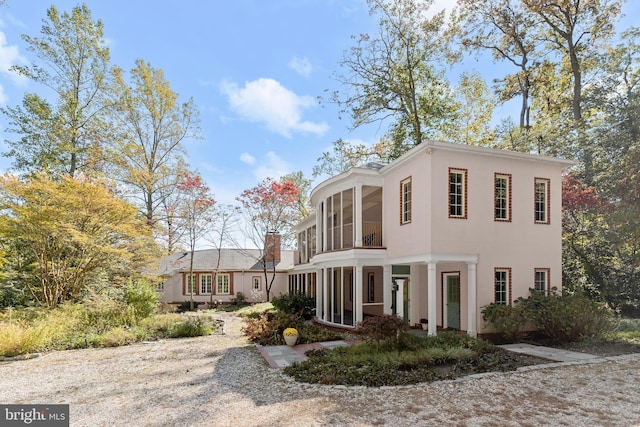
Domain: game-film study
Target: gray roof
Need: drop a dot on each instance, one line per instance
(230, 260)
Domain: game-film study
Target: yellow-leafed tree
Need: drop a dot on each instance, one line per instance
(71, 235)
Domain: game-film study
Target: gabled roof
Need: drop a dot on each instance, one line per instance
(230, 260)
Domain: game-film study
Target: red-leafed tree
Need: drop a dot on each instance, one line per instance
(270, 210)
(196, 210)
(586, 233)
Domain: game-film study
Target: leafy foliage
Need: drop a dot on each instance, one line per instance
(561, 318)
(399, 362)
(141, 295)
(298, 304)
(67, 135)
(73, 233)
(101, 322)
(382, 327)
(267, 329)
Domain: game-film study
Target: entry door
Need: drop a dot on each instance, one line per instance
(405, 300)
(453, 301)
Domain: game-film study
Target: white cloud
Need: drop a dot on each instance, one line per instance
(247, 158)
(301, 66)
(271, 166)
(3, 97)
(267, 101)
(9, 56)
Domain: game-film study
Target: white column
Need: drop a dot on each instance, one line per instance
(319, 233)
(431, 294)
(325, 298)
(319, 292)
(472, 302)
(324, 226)
(400, 297)
(357, 216)
(357, 304)
(386, 289)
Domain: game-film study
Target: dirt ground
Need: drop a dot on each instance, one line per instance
(223, 381)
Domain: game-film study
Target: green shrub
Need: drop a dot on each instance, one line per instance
(11, 296)
(568, 318)
(507, 321)
(185, 306)
(142, 297)
(380, 327)
(301, 305)
(240, 299)
(191, 328)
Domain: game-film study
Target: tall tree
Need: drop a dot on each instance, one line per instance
(225, 221)
(395, 74)
(344, 155)
(196, 214)
(504, 28)
(72, 234)
(576, 28)
(473, 112)
(270, 209)
(65, 136)
(148, 153)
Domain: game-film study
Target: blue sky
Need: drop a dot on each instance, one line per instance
(254, 68)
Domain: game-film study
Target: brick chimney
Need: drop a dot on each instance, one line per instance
(272, 247)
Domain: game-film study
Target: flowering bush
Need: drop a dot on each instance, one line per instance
(289, 332)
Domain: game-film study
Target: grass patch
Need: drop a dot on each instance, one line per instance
(105, 324)
(406, 359)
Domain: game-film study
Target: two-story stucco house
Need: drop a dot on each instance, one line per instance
(437, 234)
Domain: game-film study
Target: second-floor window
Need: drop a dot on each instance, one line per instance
(502, 197)
(541, 201)
(405, 201)
(205, 283)
(457, 193)
(222, 287)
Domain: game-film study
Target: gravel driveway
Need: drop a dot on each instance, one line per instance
(223, 381)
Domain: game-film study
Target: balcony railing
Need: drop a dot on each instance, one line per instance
(371, 234)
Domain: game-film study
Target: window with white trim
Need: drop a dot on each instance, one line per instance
(371, 287)
(502, 197)
(222, 286)
(256, 283)
(541, 280)
(502, 286)
(206, 283)
(191, 284)
(405, 202)
(541, 201)
(457, 193)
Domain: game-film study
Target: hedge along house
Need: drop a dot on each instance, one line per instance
(437, 234)
(221, 275)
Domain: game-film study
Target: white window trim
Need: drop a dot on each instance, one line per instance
(463, 193)
(220, 276)
(546, 208)
(258, 280)
(507, 196)
(546, 273)
(507, 273)
(203, 290)
(191, 281)
(405, 201)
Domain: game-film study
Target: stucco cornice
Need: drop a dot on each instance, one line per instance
(430, 147)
